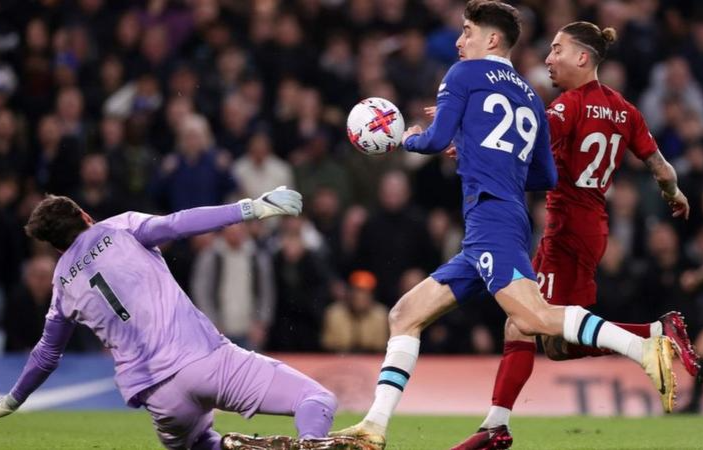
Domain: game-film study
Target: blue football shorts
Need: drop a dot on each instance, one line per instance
(495, 250)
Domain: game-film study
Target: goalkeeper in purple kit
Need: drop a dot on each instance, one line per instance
(168, 356)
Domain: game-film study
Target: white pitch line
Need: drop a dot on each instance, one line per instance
(49, 398)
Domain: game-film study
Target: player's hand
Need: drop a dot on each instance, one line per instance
(430, 111)
(415, 129)
(678, 203)
(8, 405)
(279, 202)
(451, 152)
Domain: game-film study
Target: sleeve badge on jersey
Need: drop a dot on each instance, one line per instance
(557, 110)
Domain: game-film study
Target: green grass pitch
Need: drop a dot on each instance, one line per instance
(100, 430)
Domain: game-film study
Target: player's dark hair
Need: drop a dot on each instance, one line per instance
(56, 220)
(593, 38)
(495, 14)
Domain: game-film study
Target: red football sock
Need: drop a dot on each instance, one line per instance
(580, 351)
(513, 372)
(640, 329)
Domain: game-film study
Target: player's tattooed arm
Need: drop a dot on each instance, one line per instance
(665, 175)
(663, 172)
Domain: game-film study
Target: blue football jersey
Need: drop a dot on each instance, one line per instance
(499, 127)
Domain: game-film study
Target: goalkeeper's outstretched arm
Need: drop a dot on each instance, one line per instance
(42, 361)
(155, 230)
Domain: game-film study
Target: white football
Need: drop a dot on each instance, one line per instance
(375, 126)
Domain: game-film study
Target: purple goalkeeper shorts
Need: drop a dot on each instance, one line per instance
(230, 378)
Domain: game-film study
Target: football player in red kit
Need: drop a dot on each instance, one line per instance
(591, 128)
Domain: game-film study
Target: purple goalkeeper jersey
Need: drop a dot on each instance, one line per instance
(114, 280)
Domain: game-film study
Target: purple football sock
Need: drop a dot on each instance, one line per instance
(210, 440)
(314, 415)
(294, 394)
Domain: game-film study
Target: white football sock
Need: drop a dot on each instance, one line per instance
(497, 416)
(656, 329)
(584, 328)
(401, 356)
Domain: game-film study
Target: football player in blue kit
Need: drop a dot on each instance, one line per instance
(499, 128)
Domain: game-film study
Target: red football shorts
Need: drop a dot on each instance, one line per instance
(566, 265)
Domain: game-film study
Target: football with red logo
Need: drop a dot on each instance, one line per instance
(375, 126)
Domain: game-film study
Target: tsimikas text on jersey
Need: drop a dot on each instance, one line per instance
(603, 112)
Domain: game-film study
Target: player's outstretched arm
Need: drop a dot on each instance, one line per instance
(155, 230)
(665, 175)
(438, 136)
(42, 361)
(451, 104)
(279, 202)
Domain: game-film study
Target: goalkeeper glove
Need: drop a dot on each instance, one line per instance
(280, 201)
(8, 405)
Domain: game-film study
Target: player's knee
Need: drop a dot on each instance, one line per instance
(512, 332)
(327, 398)
(395, 315)
(530, 324)
(524, 326)
(400, 319)
(322, 395)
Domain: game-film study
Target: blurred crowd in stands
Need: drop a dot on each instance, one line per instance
(160, 105)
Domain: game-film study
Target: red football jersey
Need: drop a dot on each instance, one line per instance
(591, 127)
